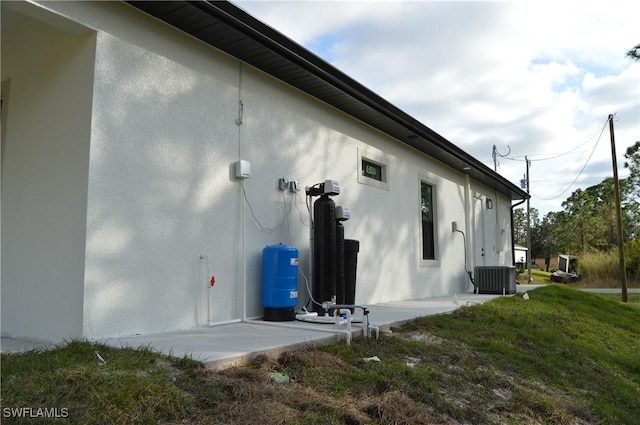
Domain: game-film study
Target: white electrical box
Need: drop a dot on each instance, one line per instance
(243, 169)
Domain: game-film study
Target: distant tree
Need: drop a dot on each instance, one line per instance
(630, 199)
(634, 53)
(588, 221)
(537, 242)
(630, 192)
(604, 233)
(562, 228)
(520, 226)
(632, 162)
(546, 241)
(585, 221)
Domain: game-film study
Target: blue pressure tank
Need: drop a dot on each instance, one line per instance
(279, 282)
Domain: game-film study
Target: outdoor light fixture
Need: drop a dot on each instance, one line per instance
(489, 204)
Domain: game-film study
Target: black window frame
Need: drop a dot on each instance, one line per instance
(428, 220)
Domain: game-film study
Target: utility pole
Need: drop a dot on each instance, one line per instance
(529, 256)
(494, 154)
(616, 187)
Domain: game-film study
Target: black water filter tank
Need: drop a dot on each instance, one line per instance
(351, 249)
(340, 270)
(324, 247)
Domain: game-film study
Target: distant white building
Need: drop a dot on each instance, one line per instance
(121, 123)
(520, 254)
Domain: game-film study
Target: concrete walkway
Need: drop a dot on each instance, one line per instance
(236, 343)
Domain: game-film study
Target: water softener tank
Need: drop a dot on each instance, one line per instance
(279, 282)
(324, 251)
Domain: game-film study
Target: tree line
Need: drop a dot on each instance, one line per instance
(587, 221)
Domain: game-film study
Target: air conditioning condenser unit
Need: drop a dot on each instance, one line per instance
(495, 279)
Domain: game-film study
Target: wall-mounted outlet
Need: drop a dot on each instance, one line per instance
(454, 226)
(283, 183)
(294, 186)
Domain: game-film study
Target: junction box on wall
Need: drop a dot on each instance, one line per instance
(292, 185)
(242, 169)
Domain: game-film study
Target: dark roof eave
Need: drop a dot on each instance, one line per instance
(252, 41)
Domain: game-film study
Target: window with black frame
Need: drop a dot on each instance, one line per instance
(426, 202)
(372, 170)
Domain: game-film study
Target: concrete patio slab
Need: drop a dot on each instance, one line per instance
(236, 343)
(18, 345)
(226, 345)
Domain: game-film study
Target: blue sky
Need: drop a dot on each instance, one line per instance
(537, 77)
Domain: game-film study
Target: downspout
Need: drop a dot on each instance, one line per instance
(467, 224)
(498, 235)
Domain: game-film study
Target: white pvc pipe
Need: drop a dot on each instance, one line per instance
(209, 287)
(244, 257)
(224, 322)
(309, 203)
(243, 273)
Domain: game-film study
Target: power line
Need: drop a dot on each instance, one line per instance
(555, 156)
(581, 170)
(569, 179)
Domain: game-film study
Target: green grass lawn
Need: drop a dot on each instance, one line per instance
(538, 276)
(631, 298)
(562, 357)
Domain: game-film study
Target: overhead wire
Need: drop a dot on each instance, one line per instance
(521, 157)
(581, 170)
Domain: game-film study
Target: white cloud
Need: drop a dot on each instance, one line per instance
(541, 77)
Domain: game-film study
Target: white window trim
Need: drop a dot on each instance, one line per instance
(430, 180)
(377, 157)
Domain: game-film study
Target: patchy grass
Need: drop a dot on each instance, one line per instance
(134, 386)
(561, 357)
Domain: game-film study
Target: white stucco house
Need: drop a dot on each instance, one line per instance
(121, 125)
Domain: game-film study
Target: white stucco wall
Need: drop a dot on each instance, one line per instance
(44, 179)
(161, 192)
